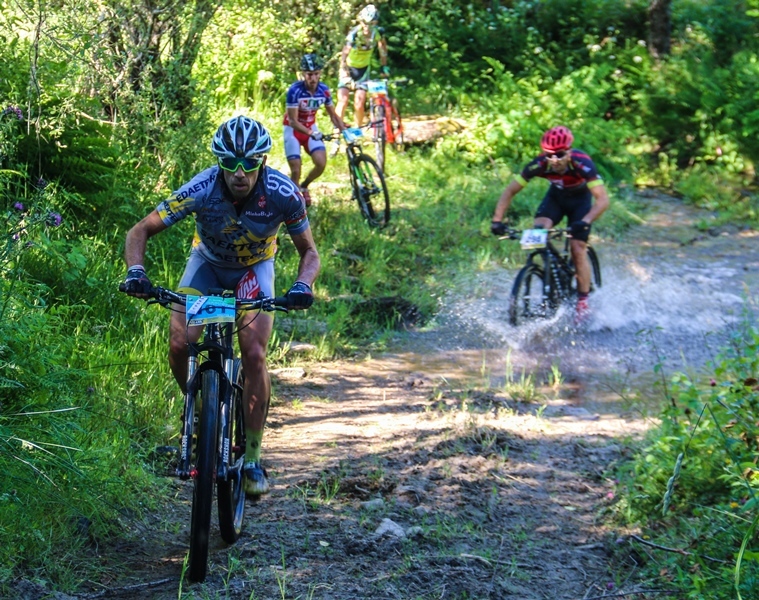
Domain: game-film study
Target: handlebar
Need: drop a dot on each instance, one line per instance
(515, 234)
(162, 296)
(327, 137)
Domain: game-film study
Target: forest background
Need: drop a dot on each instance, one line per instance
(107, 106)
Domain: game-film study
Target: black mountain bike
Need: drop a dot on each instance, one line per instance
(548, 277)
(212, 446)
(367, 179)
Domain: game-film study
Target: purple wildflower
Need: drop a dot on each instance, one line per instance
(18, 206)
(54, 219)
(41, 183)
(13, 110)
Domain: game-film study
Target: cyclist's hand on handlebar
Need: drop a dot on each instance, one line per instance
(300, 295)
(137, 283)
(317, 135)
(498, 228)
(385, 71)
(580, 230)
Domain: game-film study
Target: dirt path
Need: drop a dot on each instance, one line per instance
(471, 461)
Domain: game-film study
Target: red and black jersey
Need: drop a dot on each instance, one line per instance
(581, 172)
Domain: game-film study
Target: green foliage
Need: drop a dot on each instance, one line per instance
(699, 468)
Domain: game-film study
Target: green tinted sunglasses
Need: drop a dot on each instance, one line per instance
(247, 164)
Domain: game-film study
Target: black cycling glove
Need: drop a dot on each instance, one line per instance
(300, 295)
(498, 228)
(580, 230)
(137, 281)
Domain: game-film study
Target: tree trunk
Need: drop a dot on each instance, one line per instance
(659, 27)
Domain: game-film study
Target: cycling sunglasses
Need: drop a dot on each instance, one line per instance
(247, 164)
(559, 155)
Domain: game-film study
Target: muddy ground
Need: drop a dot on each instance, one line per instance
(470, 460)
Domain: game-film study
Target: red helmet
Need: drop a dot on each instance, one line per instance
(557, 138)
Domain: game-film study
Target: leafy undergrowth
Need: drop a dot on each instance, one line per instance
(692, 487)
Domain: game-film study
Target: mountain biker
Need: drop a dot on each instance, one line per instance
(575, 184)
(238, 206)
(355, 61)
(303, 100)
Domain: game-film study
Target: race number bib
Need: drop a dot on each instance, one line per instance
(376, 87)
(352, 134)
(534, 238)
(210, 309)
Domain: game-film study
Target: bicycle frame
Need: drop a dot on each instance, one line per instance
(379, 98)
(556, 268)
(217, 341)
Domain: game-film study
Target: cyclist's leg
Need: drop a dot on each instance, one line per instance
(319, 156)
(197, 278)
(359, 100)
(575, 207)
(292, 153)
(343, 93)
(549, 212)
(254, 331)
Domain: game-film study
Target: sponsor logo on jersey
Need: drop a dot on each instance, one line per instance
(262, 202)
(248, 288)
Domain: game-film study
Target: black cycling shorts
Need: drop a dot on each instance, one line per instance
(559, 203)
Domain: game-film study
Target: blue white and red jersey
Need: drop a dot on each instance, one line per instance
(580, 172)
(306, 102)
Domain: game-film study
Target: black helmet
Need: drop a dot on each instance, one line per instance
(241, 137)
(311, 62)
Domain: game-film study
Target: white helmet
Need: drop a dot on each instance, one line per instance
(368, 14)
(241, 137)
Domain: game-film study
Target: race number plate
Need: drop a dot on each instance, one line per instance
(210, 309)
(376, 87)
(534, 238)
(352, 134)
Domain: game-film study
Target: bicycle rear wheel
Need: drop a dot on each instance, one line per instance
(229, 492)
(528, 302)
(370, 190)
(202, 499)
(380, 136)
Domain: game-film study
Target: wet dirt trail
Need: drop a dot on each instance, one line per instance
(471, 459)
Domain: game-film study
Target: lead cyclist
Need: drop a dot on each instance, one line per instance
(238, 205)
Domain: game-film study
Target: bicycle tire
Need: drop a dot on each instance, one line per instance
(202, 499)
(230, 495)
(396, 123)
(380, 136)
(527, 301)
(370, 191)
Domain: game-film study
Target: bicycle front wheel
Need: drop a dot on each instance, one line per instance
(528, 301)
(370, 190)
(380, 136)
(202, 499)
(229, 491)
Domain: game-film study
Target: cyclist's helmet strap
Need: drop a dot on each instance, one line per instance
(311, 62)
(368, 14)
(556, 139)
(241, 137)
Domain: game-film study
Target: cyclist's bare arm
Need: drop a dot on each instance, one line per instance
(309, 265)
(601, 197)
(344, 57)
(335, 118)
(137, 238)
(382, 49)
(292, 116)
(505, 200)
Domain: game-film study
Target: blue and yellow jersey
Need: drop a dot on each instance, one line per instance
(225, 238)
(361, 46)
(580, 172)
